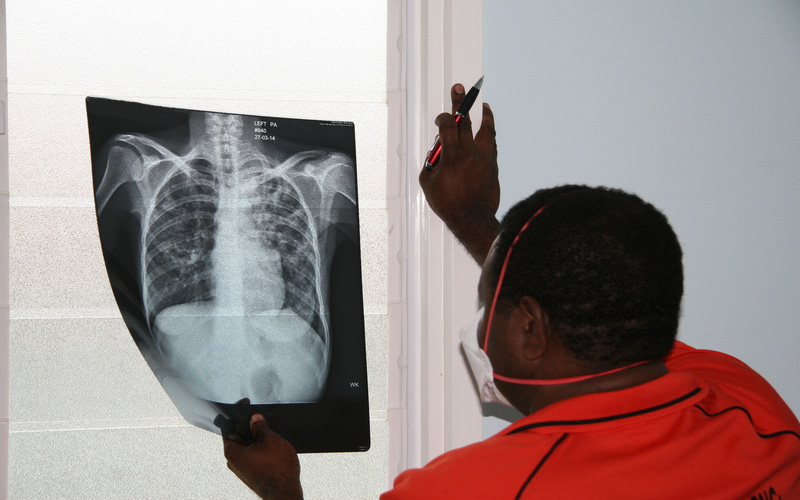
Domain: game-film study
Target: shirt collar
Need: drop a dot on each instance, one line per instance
(667, 394)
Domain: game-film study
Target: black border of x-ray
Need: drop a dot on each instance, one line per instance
(339, 422)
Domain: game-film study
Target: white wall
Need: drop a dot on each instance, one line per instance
(87, 418)
(693, 105)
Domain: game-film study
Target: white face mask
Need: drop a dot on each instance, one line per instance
(479, 363)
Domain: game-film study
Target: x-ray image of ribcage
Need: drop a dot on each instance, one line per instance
(232, 268)
(232, 233)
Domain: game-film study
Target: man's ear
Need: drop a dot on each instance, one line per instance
(535, 328)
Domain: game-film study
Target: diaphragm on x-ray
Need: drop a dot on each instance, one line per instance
(232, 247)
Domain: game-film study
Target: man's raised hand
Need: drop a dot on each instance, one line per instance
(463, 188)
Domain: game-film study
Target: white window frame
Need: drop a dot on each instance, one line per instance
(433, 406)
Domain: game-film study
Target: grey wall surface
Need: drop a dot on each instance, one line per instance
(695, 106)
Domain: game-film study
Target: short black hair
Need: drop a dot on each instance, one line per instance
(603, 264)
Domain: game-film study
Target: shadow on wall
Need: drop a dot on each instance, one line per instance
(502, 412)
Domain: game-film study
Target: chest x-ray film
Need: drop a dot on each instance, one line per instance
(232, 247)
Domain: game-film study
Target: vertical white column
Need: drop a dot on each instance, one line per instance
(425, 277)
(4, 301)
(432, 280)
(397, 201)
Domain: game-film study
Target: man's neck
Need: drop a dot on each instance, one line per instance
(533, 398)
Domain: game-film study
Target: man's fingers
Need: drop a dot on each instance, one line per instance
(457, 93)
(259, 427)
(444, 120)
(231, 448)
(485, 138)
(448, 133)
(453, 135)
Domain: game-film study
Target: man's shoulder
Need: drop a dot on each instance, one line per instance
(733, 384)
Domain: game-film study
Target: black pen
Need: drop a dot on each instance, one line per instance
(432, 158)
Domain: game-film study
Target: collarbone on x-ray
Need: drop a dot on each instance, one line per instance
(234, 256)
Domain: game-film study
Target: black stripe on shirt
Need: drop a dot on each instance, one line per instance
(750, 418)
(539, 466)
(609, 418)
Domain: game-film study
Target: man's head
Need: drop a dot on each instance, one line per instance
(603, 265)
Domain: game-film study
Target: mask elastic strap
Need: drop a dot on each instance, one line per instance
(566, 380)
(500, 279)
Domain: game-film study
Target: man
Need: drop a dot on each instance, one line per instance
(581, 289)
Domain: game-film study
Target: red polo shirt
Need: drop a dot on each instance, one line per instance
(712, 428)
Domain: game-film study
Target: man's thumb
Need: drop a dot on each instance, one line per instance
(259, 427)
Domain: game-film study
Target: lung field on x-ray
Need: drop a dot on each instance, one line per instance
(235, 259)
